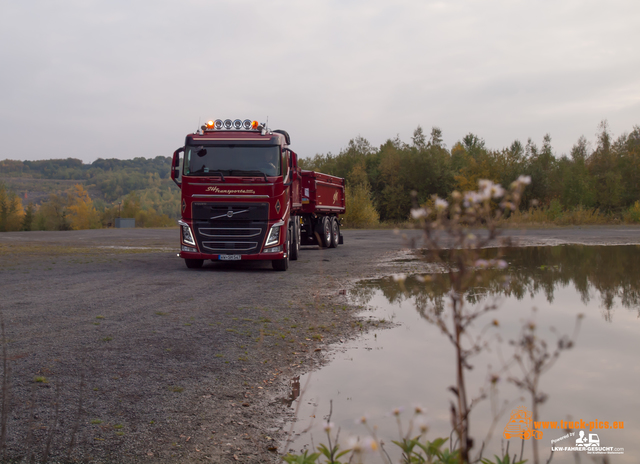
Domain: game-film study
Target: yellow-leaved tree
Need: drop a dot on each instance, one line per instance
(80, 210)
(11, 211)
(361, 212)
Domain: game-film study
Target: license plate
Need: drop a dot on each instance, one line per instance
(229, 257)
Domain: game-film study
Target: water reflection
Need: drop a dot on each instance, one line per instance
(414, 363)
(611, 274)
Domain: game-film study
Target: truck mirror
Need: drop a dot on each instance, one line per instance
(175, 166)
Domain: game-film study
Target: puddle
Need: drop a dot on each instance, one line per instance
(413, 363)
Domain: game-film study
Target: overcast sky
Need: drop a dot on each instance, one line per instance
(121, 79)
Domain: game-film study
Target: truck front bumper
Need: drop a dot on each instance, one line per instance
(231, 257)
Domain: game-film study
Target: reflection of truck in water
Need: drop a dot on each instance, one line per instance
(521, 425)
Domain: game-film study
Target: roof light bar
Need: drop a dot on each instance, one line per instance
(228, 124)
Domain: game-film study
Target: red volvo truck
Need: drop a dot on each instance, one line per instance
(245, 198)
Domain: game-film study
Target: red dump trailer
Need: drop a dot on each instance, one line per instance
(244, 197)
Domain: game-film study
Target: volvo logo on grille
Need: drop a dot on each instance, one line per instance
(229, 214)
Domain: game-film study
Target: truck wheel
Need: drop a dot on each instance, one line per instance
(323, 232)
(335, 233)
(283, 264)
(194, 263)
(295, 245)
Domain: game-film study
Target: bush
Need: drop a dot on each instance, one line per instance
(360, 210)
(633, 214)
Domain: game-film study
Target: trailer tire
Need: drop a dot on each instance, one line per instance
(335, 233)
(283, 264)
(295, 245)
(194, 263)
(323, 232)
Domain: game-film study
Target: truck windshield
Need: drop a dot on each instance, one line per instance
(230, 160)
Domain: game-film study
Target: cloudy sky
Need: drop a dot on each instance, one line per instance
(95, 79)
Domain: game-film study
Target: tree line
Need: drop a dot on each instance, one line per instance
(596, 179)
(603, 176)
(139, 188)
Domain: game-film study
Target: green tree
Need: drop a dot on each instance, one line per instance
(52, 214)
(27, 220)
(603, 165)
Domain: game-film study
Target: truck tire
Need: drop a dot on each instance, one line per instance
(295, 243)
(323, 232)
(283, 264)
(194, 263)
(335, 233)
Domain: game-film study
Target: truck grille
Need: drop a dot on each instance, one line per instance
(237, 228)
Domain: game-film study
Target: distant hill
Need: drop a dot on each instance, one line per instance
(108, 181)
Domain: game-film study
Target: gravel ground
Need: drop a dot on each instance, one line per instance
(116, 352)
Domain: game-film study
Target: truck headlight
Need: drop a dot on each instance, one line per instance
(187, 236)
(274, 235)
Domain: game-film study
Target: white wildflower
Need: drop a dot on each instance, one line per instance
(417, 213)
(485, 184)
(369, 444)
(471, 198)
(441, 204)
(354, 444)
(497, 191)
(422, 424)
(328, 426)
(526, 180)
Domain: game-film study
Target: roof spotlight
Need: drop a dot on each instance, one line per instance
(246, 124)
(218, 124)
(237, 124)
(228, 124)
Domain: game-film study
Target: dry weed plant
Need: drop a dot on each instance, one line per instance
(450, 243)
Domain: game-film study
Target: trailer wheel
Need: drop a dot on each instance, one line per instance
(194, 263)
(283, 264)
(323, 232)
(335, 233)
(295, 245)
